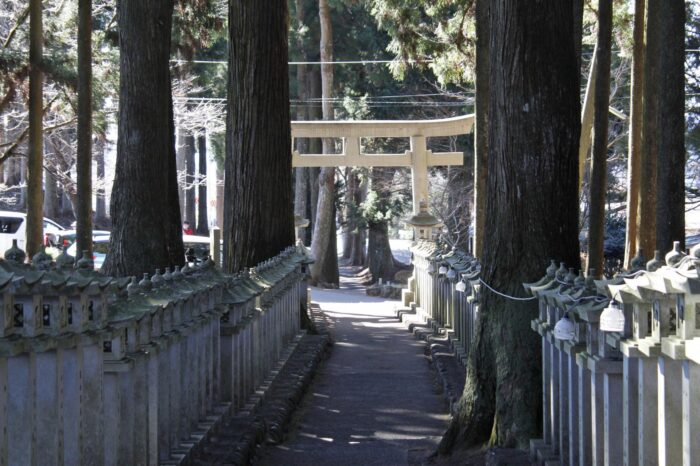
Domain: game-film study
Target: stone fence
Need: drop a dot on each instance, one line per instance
(621, 365)
(445, 292)
(96, 370)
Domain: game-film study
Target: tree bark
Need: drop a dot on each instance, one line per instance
(101, 219)
(35, 161)
(532, 200)
(670, 200)
(50, 196)
(578, 34)
(481, 137)
(323, 245)
(146, 227)
(83, 162)
(202, 217)
(259, 217)
(646, 209)
(358, 254)
(635, 133)
(190, 189)
(314, 173)
(301, 175)
(354, 247)
(599, 156)
(350, 188)
(380, 260)
(315, 113)
(180, 166)
(301, 194)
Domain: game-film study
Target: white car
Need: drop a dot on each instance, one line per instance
(199, 244)
(13, 225)
(100, 246)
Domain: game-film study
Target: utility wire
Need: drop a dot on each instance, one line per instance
(339, 62)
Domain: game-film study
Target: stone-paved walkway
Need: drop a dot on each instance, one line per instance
(373, 401)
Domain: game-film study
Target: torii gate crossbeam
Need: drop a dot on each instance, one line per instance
(419, 158)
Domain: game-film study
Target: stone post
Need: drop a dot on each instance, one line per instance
(670, 412)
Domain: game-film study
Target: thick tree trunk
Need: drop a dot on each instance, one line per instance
(481, 137)
(324, 272)
(356, 192)
(578, 34)
(35, 168)
(348, 225)
(180, 166)
(670, 201)
(146, 229)
(202, 217)
(380, 260)
(358, 255)
(323, 245)
(301, 175)
(315, 113)
(301, 195)
(646, 209)
(599, 156)
(532, 203)
(314, 173)
(190, 189)
(101, 219)
(83, 162)
(635, 133)
(23, 167)
(50, 196)
(259, 216)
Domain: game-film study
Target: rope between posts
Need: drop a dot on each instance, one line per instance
(514, 298)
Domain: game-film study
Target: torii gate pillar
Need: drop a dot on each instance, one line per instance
(419, 171)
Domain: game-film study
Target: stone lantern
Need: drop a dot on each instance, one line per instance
(299, 223)
(424, 224)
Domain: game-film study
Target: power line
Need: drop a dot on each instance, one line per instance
(358, 62)
(339, 62)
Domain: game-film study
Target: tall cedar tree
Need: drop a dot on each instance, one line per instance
(259, 215)
(84, 152)
(481, 140)
(670, 200)
(190, 213)
(35, 162)
(202, 217)
(323, 246)
(532, 195)
(646, 206)
(635, 132)
(599, 154)
(146, 229)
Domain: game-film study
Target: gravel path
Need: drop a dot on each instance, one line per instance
(373, 401)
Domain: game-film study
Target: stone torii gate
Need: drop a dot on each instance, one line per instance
(419, 158)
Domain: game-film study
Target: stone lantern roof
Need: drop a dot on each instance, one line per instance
(424, 219)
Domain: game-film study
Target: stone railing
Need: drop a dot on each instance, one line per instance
(445, 291)
(97, 370)
(621, 397)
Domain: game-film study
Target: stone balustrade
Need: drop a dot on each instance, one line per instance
(630, 397)
(97, 370)
(445, 292)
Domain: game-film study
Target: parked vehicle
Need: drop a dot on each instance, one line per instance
(67, 237)
(199, 246)
(13, 225)
(100, 246)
